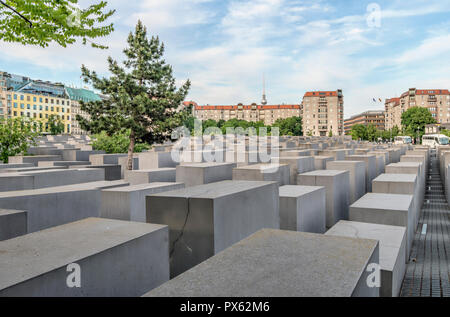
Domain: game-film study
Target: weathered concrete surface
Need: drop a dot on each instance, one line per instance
(19, 165)
(152, 160)
(320, 162)
(357, 170)
(204, 220)
(392, 247)
(129, 202)
(386, 209)
(263, 172)
(337, 185)
(274, 263)
(303, 208)
(54, 206)
(49, 178)
(151, 176)
(371, 167)
(112, 171)
(297, 165)
(406, 184)
(13, 223)
(194, 174)
(33, 159)
(116, 258)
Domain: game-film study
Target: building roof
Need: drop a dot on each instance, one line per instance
(367, 113)
(81, 94)
(246, 107)
(321, 94)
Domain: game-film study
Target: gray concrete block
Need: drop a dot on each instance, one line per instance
(392, 248)
(203, 173)
(20, 165)
(303, 208)
(273, 263)
(337, 185)
(152, 160)
(33, 159)
(129, 202)
(320, 162)
(116, 258)
(204, 220)
(297, 165)
(371, 167)
(386, 209)
(338, 155)
(406, 184)
(112, 171)
(48, 178)
(62, 163)
(151, 176)
(357, 170)
(263, 172)
(54, 206)
(13, 223)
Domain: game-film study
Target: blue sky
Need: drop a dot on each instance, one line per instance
(224, 47)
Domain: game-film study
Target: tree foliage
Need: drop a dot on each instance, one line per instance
(118, 142)
(16, 135)
(55, 125)
(45, 21)
(414, 120)
(142, 95)
(359, 132)
(290, 126)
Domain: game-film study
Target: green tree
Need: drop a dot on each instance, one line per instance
(55, 125)
(371, 132)
(32, 22)
(359, 132)
(118, 142)
(330, 134)
(414, 120)
(16, 135)
(290, 126)
(142, 95)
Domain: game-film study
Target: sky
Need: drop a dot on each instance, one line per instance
(368, 49)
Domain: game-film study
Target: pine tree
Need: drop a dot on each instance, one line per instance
(141, 96)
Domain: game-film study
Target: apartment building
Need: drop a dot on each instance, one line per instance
(323, 112)
(371, 117)
(252, 113)
(437, 101)
(77, 95)
(21, 96)
(3, 96)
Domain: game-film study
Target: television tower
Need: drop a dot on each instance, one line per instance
(264, 99)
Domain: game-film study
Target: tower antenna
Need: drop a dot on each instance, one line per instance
(264, 99)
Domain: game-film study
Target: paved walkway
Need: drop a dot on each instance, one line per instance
(427, 273)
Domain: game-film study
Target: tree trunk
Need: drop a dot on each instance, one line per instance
(131, 151)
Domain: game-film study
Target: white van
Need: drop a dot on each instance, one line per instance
(402, 140)
(435, 140)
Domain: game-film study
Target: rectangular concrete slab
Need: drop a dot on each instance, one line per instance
(193, 174)
(303, 208)
(204, 220)
(115, 258)
(151, 176)
(357, 170)
(274, 263)
(371, 167)
(386, 209)
(13, 223)
(263, 172)
(392, 247)
(337, 185)
(128, 202)
(53, 206)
